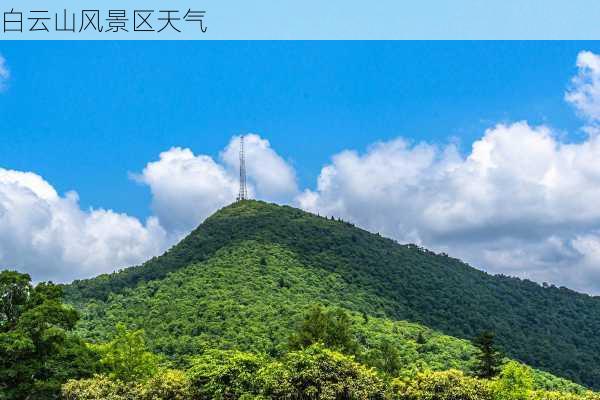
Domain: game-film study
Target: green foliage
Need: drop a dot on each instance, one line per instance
(15, 289)
(446, 385)
(557, 395)
(311, 373)
(126, 356)
(99, 387)
(515, 382)
(333, 328)
(315, 373)
(165, 384)
(548, 382)
(385, 357)
(320, 373)
(228, 303)
(225, 374)
(267, 302)
(37, 351)
(310, 259)
(489, 359)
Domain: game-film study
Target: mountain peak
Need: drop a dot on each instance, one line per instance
(249, 207)
(388, 280)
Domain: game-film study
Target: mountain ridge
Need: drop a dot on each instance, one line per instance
(548, 328)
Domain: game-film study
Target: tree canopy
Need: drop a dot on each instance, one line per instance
(37, 350)
(380, 278)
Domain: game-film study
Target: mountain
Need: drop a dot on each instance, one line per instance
(246, 275)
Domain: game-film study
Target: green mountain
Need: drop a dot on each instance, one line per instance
(246, 275)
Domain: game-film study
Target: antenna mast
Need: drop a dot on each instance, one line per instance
(243, 195)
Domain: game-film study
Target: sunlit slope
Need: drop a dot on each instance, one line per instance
(254, 261)
(251, 296)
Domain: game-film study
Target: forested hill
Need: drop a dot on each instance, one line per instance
(554, 329)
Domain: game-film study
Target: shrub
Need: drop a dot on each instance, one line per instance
(100, 387)
(319, 373)
(222, 374)
(515, 382)
(446, 385)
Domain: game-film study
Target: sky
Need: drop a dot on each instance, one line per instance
(110, 152)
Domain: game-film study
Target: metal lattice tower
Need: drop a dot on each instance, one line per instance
(243, 195)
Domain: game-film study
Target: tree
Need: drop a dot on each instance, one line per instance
(225, 374)
(167, 385)
(444, 385)
(126, 356)
(333, 328)
(515, 382)
(489, 358)
(15, 290)
(384, 356)
(37, 351)
(317, 372)
(100, 387)
(164, 385)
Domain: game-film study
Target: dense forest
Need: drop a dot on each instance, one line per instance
(269, 302)
(329, 354)
(259, 264)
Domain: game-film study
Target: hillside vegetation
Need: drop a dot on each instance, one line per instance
(244, 278)
(330, 354)
(251, 298)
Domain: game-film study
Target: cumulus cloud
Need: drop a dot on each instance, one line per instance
(269, 174)
(52, 238)
(4, 73)
(521, 202)
(584, 93)
(186, 188)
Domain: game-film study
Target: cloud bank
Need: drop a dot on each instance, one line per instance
(186, 188)
(520, 203)
(52, 238)
(584, 93)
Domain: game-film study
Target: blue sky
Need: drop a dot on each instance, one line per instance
(485, 150)
(84, 114)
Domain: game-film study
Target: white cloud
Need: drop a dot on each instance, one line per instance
(584, 93)
(269, 174)
(186, 188)
(4, 73)
(521, 202)
(51, 238)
